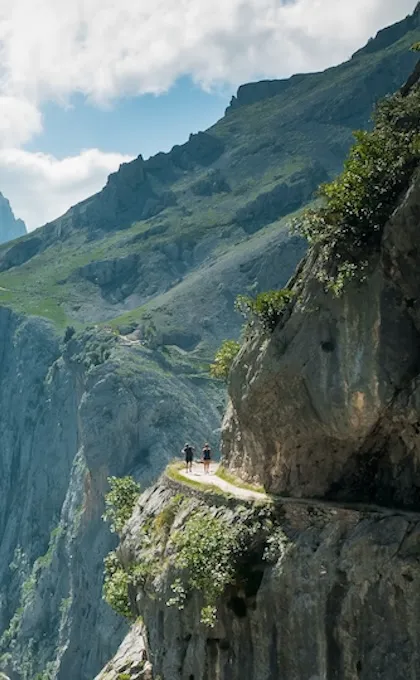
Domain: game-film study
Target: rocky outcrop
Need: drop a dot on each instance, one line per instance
(282, 200)
(325, 592)
(72, 414)
(10, 227)
(131, 658)
(328, 406)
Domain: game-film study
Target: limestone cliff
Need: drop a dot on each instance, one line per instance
(10, 227)
(319, 579)
(328, 406)
(321, 593)
(73, 413)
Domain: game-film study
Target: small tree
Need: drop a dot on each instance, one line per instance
(120, 502)
(416, 47)
(224, 358)
(266, 309)
(115, 587)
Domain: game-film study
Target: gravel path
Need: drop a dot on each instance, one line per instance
(198, 475)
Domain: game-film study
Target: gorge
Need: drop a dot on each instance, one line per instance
(109, 317)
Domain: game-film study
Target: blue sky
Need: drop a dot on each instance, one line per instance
(89, 84)
(131, 125)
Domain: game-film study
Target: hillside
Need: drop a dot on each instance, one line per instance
(150, 240)
(108, 318)
(298, 556)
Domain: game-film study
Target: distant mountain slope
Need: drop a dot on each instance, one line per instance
(160, 221)
(163, 249)
(10, 227)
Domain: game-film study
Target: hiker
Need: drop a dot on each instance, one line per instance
(188, 452)
(206, 458)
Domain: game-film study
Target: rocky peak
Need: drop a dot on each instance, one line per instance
(10, 227)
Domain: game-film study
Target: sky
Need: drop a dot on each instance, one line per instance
(89, 84)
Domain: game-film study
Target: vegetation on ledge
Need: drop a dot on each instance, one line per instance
(224, 359)
(346, 230)
(266, 309)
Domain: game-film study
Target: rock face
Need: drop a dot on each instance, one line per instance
(131, 658)
(72, 414)
(329, 404)
(10, 227)
(183, 233)
(334, 593)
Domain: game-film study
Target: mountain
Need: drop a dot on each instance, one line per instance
(299, 557)
(10, 227)
(109, 317)
(151, 239)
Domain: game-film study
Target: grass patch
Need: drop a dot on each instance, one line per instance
(231, 479)
(173, 471)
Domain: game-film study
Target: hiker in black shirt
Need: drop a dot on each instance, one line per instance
(188, 452)
(206, 458)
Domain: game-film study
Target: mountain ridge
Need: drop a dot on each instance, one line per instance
(159, 220)
(108, 323)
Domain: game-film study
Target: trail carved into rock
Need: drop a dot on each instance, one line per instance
(198, 476)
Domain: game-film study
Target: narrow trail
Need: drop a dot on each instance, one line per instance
(198, 476)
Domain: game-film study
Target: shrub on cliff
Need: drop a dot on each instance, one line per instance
(224, 358)
(348, 227)
(116, 584)
(120, 502)
(265, 309)
(207, 550)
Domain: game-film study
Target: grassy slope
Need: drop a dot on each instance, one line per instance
(266, 144)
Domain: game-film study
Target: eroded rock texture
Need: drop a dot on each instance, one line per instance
(72, 414)
(336, 597)
(328, 405)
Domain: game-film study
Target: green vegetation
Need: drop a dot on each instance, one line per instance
(228, 477)
(116, 584)
(207, 550)
(224, 359)
(416, 47)
(120, 502)
(266, 309)
(267, 149)
(173, 471)
(347, 229)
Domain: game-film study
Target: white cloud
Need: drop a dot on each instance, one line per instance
(105, 49)
(41, 187)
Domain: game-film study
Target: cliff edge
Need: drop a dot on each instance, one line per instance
(328, 405)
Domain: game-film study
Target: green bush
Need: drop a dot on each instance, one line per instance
(265, 309)
(115, 588)
(348, 227)
(207, 550)
(120, 502)
(224, 358)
